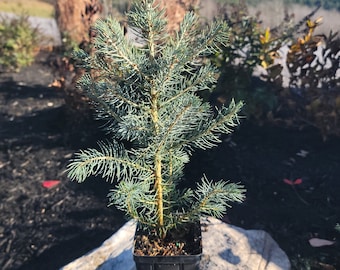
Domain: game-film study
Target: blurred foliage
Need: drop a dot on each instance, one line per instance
(326, 4)
(115, 8)
(313, 94)
(337, 227)
(306, 68)
(37, 8)
(68, 44)
(297, 88)
(252, 49)
(19, 42)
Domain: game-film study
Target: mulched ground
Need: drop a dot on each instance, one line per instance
(45, 228)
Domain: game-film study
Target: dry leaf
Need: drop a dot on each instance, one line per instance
(302, 153)
(50, 183)
(317, 242)
(58, 83)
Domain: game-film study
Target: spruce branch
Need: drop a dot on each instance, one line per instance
(212, 38)
(171, 131)
(208, 41)
(112, 161)
(188, 113)
(210, 131)
(111, 43)
(133, 128)
(85, 62)
(174, 162)
(199, 81)
(213, 198)
(135, 199)
(104, 102)
(180, 52)
(149, 21)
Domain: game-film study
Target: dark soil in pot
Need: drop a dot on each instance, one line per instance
(182, 241)
(181, 249)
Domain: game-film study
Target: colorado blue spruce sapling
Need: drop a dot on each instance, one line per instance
(147, 94)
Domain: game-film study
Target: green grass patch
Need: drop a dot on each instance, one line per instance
(37, 8)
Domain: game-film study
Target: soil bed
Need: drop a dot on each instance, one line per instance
(45, 228)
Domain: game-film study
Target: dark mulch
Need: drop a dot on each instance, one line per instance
(44, 228)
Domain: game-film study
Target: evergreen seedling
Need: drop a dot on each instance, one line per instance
(147, 93)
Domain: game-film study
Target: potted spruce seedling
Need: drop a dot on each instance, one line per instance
(148, 95)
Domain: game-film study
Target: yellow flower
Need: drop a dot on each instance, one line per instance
(264, 39)
(314, 24)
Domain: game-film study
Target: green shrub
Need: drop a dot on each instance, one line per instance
(313, 94)
(306, 93)
(326, 4)
(251, 47)
(18, 42)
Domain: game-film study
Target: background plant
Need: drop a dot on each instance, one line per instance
(252, 49)
(326, 4)
(313, 94)
(19, 42)
(39, 8)
(148, 96)
(298, 89)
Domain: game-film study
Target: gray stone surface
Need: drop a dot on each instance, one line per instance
(224, 247)
(229, 247)
(114, 254)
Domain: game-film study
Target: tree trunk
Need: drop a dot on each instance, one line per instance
(175, 11)
(74, 18)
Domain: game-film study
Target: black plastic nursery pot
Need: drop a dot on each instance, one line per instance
(189, 260)
(182, 262)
